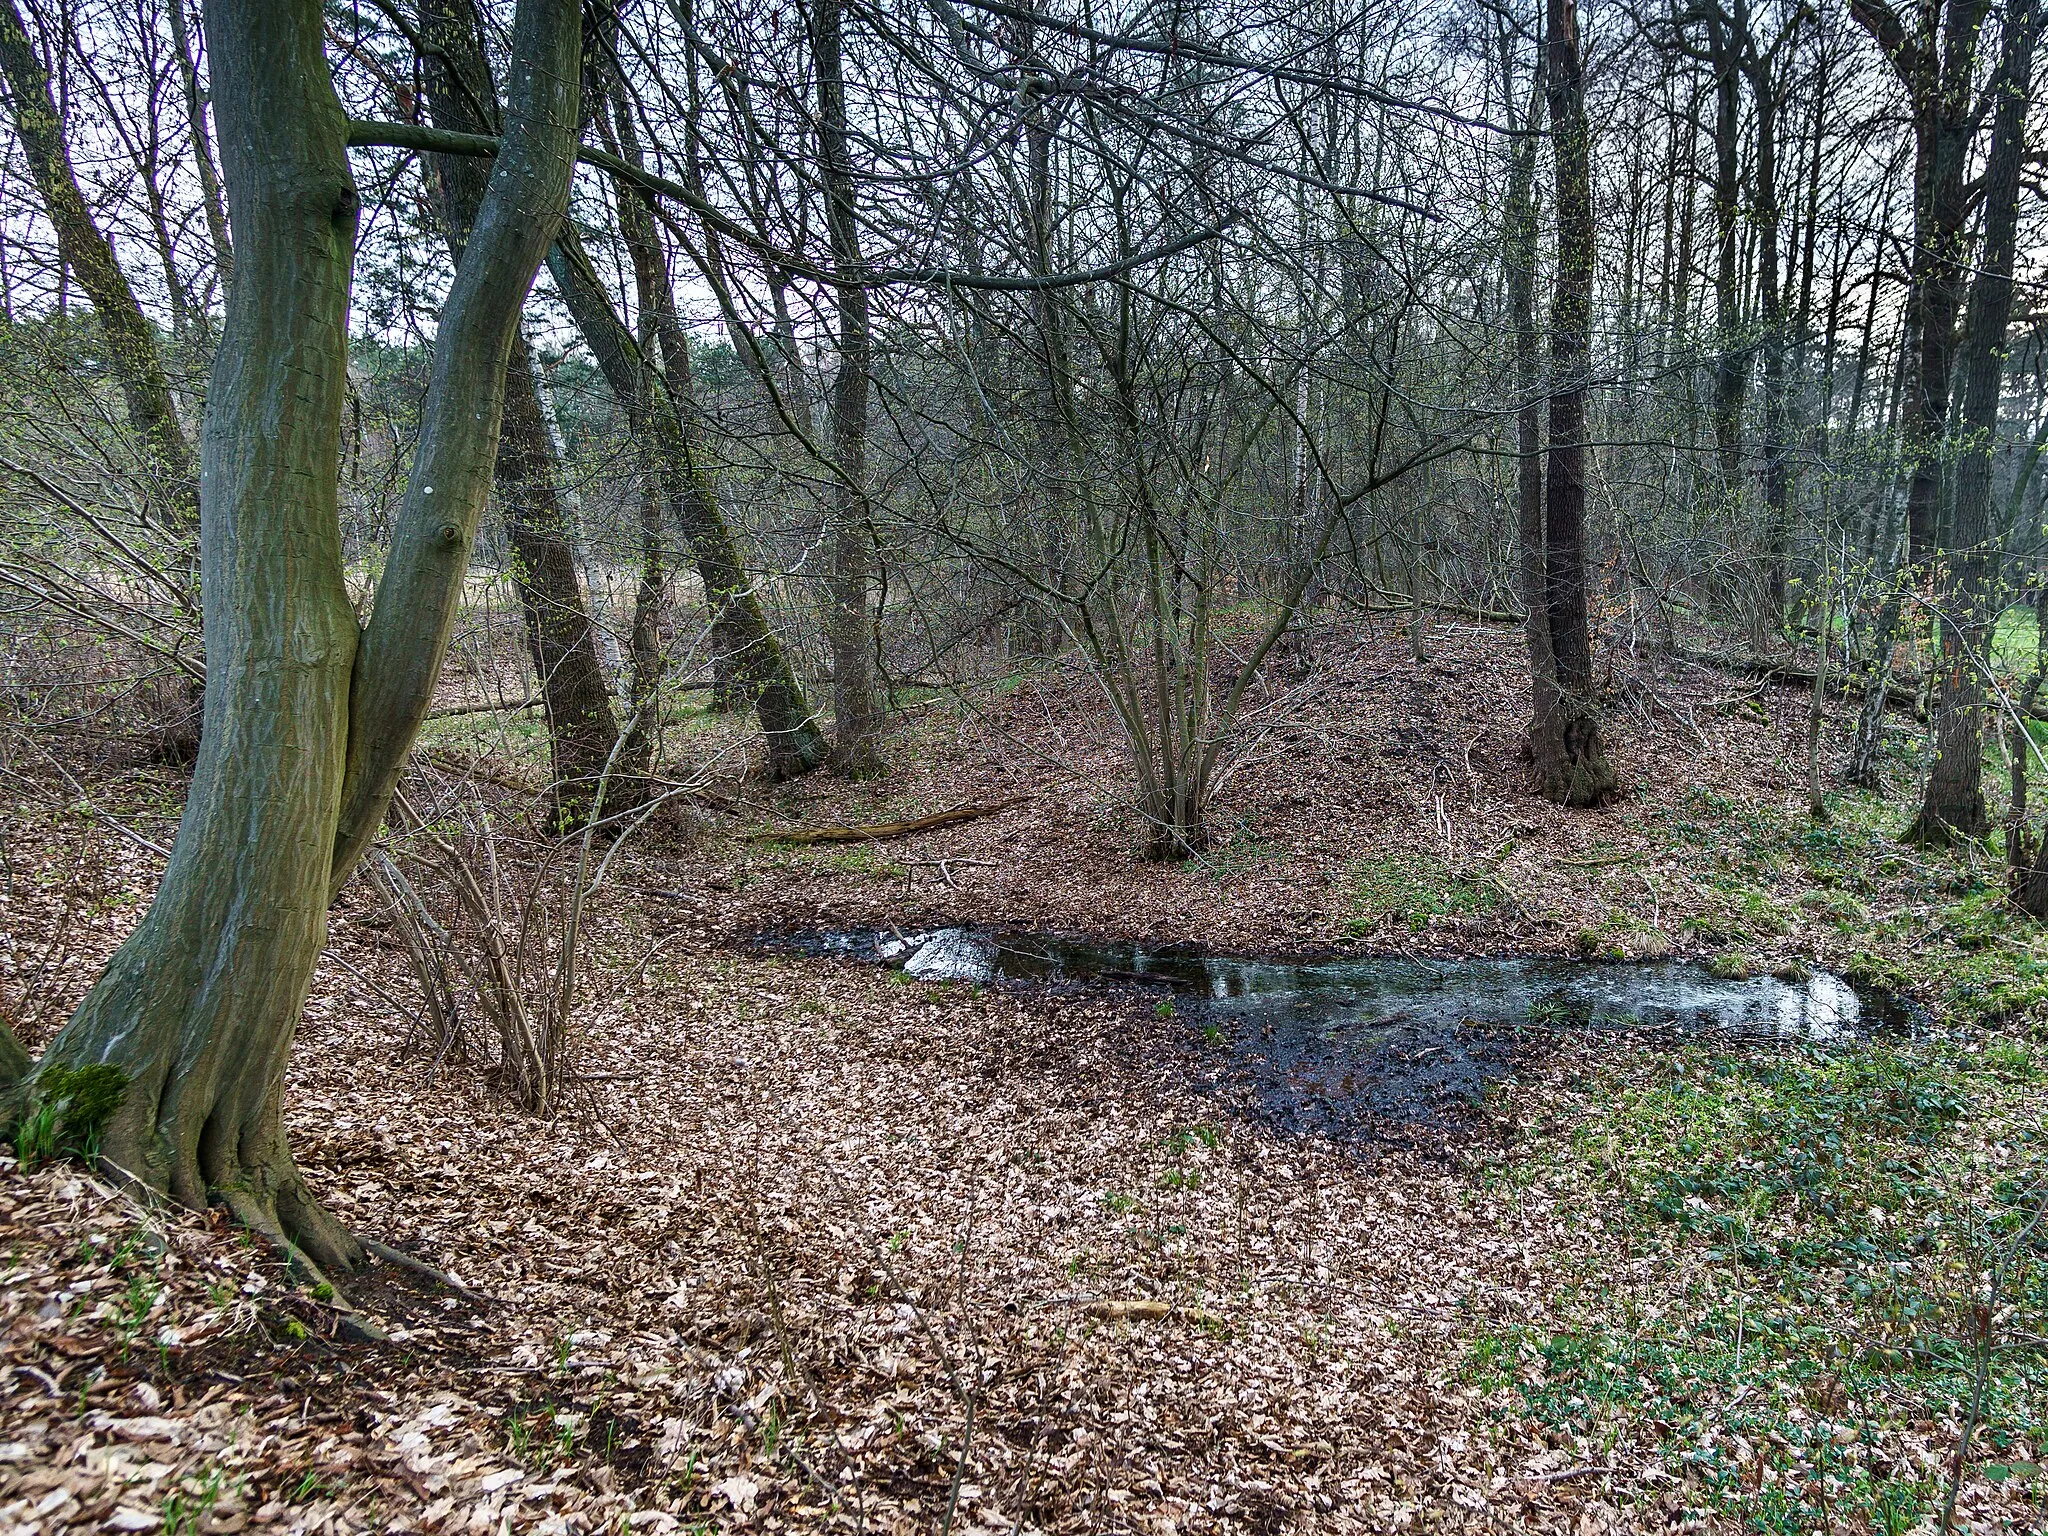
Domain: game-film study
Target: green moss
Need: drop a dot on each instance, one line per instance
(65, 1110)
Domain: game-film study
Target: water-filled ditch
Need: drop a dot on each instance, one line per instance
(1343, 1046)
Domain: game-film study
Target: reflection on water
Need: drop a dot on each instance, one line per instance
(1333, 1045)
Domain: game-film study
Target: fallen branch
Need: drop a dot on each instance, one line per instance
(1396, 602)
(883, 831)
(1897, 694)
(506, 706)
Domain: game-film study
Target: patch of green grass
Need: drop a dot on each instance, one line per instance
(1731, 965)
(1412, 889)
(1771, 1458)
(1821, 1230)
(1738, 915)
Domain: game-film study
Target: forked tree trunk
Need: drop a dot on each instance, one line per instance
(1952, 806)
(1569, 757)
(307, 722)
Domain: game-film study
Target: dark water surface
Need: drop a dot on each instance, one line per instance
(1344, 1046)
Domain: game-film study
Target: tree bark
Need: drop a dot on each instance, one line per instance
(199, 1006)
(307, 721)
(1953, 805)
(856, 711)
(1521, 232)
(406, 638)
(131, 341)
(583, 730)
(1570, 759)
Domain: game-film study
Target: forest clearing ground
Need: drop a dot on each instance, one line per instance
(813, 1247)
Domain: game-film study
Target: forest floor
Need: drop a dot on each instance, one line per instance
(807, 1246)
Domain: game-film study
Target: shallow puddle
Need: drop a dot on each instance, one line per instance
(1340, 1046)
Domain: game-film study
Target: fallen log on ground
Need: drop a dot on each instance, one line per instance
(881, 832)
(487, 707)
(1899, 694)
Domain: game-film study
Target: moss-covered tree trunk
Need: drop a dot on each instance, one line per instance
(657, 403)
(307, 722)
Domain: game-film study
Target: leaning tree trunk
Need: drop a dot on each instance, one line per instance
(583, 731)
(131, 342)
(856, 712)
(795, 743)
(1952, 806)
(1565, 746)
(308, 721)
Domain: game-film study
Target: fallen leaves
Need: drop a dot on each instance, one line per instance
(811, 1249)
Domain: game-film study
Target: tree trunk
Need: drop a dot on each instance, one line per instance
(1935, 61)
(1565, 747)
(856, 711)
(795, 743)
(202, 145)
(131, 341)
(1731, 353)
(307, 724)
(1777, 482)
(199, 1006)
(1953, 804)
(583, 731)
(2026, 853)
(1521, 232)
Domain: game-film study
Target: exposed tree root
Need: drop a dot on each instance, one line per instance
(255, 1214)
(404, 1260)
